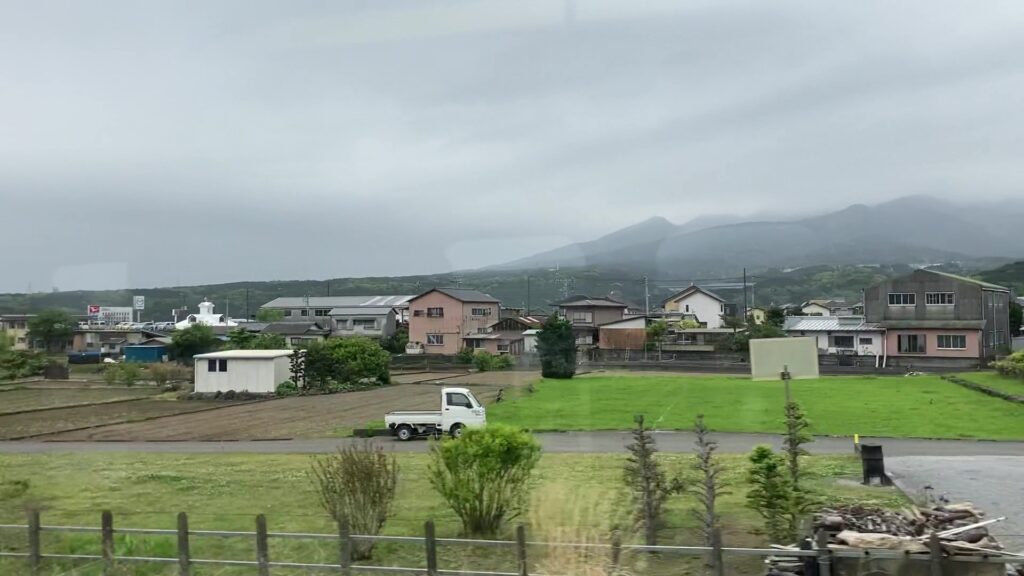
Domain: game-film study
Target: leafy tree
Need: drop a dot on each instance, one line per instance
(770, 492)
(357, 485)
(160, 374)
(297, 366)
(556, 346)
(345, 360)
(733, 322)
(656, 331)
(269, 342)
(775, 316)
(740, 341)
(464, 355)
(52, 327)
(647, 482)
(1016, 318)
(240, 339)
(688, 324)
(196, 339)
(269, 315)
(484, 475)
(395, 343)
(6, 342)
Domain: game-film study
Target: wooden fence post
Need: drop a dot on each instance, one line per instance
(935, 560)
(345, 547)
(431, 546)
(262, 547)
(35, 555)
(107, 536)
(616, 549)
(824, 554)
(184, 559)
(521, 550)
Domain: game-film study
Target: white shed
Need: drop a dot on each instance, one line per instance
(257, 371)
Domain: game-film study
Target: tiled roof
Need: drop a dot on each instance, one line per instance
(467, 295)
(587, 301)
(361, 311)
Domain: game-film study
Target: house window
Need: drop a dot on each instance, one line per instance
(938, 298)
(322, 312)
(435, 339)
(481, 312)
(364, 324)
(910, 343)
(842, 341)
(288, 312)
(417, 312)
(951, 342)
(866, 341)
(582, 317)
(722, 308)
(503, 348)
(211, 365)
(476, 344)
(435, 312)
(902, 299)
(222, 365)
(687, 306)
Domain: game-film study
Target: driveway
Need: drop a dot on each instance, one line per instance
(561, 442)
(993, 483)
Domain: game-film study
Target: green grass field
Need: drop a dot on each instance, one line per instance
(921, 406)
(995, 380)
(576, 497)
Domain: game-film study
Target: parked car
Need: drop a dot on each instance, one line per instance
(459, 409)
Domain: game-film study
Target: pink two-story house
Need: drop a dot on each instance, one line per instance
(440, 319)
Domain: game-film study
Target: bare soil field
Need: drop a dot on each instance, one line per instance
(61, 419)
(500, 379)
(35, 398)
(296, 417)
(414, 378)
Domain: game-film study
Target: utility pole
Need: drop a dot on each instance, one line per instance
(647, 298)
(746, 310)
(527, 295)
(247, 317)
(328, 287)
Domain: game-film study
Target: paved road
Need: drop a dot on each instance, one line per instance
(567, 442)
(993, 483)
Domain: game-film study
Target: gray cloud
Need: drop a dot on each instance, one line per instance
(157, 143)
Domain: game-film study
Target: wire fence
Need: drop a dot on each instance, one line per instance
(814, 552)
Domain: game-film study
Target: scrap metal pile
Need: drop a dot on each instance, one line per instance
(961, 529)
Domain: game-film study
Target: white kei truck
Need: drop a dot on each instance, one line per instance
(459, 410)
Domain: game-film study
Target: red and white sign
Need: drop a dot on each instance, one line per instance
(94, 310)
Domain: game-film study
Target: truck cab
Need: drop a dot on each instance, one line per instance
(460, 409)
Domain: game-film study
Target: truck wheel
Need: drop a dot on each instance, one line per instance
(404, 432)
(456, 430)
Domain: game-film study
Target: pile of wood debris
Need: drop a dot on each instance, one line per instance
(961, 529)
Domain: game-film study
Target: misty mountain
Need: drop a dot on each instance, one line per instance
(912, 229)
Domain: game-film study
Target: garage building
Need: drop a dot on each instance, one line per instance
(257, 371)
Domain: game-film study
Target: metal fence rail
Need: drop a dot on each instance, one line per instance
(816, 553)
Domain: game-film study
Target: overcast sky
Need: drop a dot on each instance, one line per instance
(162, 143)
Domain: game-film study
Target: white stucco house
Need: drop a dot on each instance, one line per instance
(205, 317)
(839, 334)
(706, 306)
(256, 371)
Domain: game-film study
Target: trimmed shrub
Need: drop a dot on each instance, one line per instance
(484, 475)
(483, 361)
(1012, 365)
(286, 388)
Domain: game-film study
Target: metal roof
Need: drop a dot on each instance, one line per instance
(361, 311)
(463, 294)
(295, 328)
(245, 354)
(829, 324)
(937, 324)
(981, 283)
(587, 301)
(339, 301)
